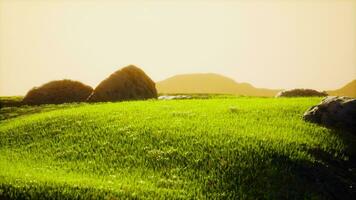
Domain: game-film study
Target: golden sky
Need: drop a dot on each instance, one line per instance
(268, 43)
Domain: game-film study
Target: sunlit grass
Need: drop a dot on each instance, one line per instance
(214, 148)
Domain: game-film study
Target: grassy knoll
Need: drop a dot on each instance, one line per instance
(237, 148)
(9, 112)
(10, 101)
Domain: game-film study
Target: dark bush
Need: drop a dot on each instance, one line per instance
(301, 93)
(57, 92)
(129, 83)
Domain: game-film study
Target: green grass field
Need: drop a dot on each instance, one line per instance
(220, 148)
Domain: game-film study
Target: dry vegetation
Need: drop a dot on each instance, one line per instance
(57, 92)
(301, 93)
(129, 83)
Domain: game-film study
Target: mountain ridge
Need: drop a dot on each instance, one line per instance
(213, 83)
(210, 83)
(347, 90)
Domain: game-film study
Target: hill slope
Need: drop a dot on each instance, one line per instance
(348, 90)
(250, 148)
(211, 84)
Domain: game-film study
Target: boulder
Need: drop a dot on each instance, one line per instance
(336, 112)
(57, 92)
(301, 93)
(129, 83)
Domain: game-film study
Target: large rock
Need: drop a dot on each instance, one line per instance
(337, 112)
(57, 92)
(129, 83)
(301, 93)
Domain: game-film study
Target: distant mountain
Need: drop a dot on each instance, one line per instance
(348, 90)
(210, 84)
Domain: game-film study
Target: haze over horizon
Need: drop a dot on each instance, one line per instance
(269, 44)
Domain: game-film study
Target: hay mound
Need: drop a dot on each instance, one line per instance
(129, 83)
(57, 92)
(301, 93)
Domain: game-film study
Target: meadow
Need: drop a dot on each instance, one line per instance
(216, 148)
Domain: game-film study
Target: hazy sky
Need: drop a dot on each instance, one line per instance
(268, 43)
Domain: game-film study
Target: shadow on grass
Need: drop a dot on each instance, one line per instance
(280, 177)
(335, 177)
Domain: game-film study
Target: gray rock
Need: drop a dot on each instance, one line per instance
(336, 112)
(166, 97)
